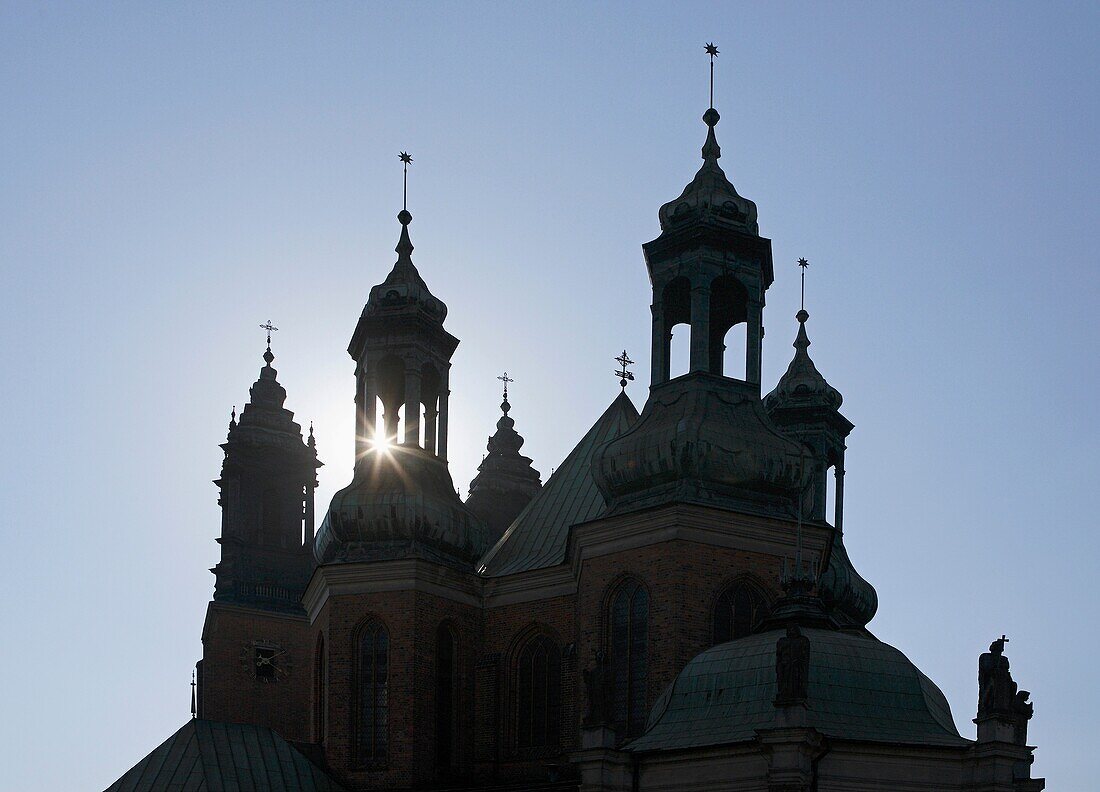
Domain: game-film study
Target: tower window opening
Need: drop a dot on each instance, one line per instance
(830, 494)
(733, 355)
(679, 356)
(728, 327)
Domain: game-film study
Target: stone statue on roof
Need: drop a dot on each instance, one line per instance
(792, 667)
(996, 690)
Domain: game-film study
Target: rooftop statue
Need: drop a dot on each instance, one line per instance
(792, 667)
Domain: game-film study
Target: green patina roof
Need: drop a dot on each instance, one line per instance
(208, 756)
(859, 689)
(538, 536)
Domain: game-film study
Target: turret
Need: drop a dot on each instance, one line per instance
(266, 490)
(401, 501)
(505, 480)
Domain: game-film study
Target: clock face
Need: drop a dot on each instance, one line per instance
(265, 661)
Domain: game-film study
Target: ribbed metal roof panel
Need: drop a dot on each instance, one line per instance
(209, 756)
(538, 536)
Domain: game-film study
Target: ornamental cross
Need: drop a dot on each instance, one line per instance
(712, 51)
(405, 160)
(269, 328)
(505, 379)
(624, 376)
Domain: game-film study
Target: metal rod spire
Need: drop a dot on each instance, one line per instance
(803, 264)
(405, 160)
(712, 51)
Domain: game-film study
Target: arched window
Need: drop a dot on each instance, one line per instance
(446, 673)
(372, 723)
(538, 694)
(738, 611)
(628, 638)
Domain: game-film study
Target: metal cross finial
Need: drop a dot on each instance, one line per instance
(405, 160)
(194, 704)
(624, 376)
(269, 328)
(713, 52)
(506, 379)
(803, 264)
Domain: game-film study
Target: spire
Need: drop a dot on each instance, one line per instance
(710, 197)
(803, 385)
(404, 289)
(505, 480)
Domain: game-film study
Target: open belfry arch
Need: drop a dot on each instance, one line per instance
(674, 608)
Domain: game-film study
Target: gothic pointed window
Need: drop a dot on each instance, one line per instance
(538, 694)
(737, 612)
(629, 639)
(373, 693)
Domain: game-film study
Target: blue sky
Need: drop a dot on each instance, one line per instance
(175, 174)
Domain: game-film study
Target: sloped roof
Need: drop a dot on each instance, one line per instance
(538, 536)
(859, 689)
(208, 756)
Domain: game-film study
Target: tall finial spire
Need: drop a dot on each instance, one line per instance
(622, 373)
(405, 160)
(712, 51)
(269, 328)
(194, 704)
(803, 264)
(505, 379)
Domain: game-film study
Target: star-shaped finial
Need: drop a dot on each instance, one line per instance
(803, 263)
(404, 157)
(711, 49)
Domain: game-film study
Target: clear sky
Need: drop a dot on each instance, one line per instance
(174, 174)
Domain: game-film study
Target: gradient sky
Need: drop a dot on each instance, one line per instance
(172, 175)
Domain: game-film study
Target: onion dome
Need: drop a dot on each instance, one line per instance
(850, 599)
(700, 440)
(802, 386)
(710, 197)
(505, 481)
(859, 688)
(401, 503)
(404, 291)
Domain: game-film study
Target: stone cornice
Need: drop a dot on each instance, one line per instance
(605, 536)
(214, 607)
(406, 574)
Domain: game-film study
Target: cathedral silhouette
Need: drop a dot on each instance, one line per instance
(674, 609)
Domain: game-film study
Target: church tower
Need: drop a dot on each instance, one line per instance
(401, 501)
(255, 646)
(703, 437)
(266, 488)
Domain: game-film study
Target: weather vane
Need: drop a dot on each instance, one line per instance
(803, 264)
(713, 52)
(269, 328)
(405, 160)
(624, 376)
(506, 379)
